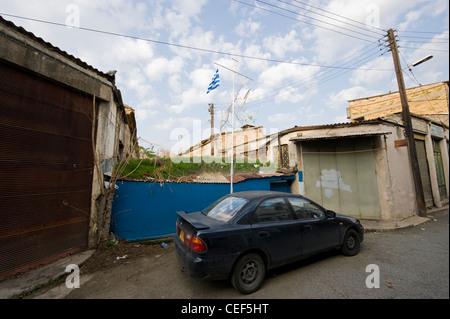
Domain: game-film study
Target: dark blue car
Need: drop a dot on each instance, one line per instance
(243, 234)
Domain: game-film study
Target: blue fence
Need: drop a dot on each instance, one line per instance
(144, 210)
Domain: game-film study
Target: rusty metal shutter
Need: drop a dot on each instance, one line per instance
(46, 164)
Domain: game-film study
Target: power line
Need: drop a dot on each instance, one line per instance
(423, 49)
(335, 14)
(321, 76)
(430, 32)
(418, 37)
(420, 86)
(311, 81)
(430, 42)
(331, 18)
(309, 23)
(321, 21)
(172, 44)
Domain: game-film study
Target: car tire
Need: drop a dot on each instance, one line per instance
(248, 273)
(351, 244)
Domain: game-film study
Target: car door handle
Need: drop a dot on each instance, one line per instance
(264, 234)
(307, 227)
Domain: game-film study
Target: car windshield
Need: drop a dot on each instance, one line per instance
(225, 208)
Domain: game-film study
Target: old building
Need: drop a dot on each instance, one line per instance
(430, 100)
(246, 139)
(63, 127)
(362, 169)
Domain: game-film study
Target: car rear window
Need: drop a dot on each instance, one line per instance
(225, 208)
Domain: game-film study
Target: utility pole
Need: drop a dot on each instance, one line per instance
(409, 133)
(211, 110)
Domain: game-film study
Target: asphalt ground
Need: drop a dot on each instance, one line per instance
(407, 260)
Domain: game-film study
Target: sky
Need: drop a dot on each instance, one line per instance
(285, 63)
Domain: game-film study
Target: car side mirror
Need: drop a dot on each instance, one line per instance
(331, 214)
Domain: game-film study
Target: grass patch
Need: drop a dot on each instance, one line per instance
(160, 168)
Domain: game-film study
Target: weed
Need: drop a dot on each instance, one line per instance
(160, 168)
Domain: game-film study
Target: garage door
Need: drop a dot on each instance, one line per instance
(45, 168)
(341, 176)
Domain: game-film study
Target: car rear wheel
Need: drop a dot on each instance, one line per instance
(248, 274)
(350, 246)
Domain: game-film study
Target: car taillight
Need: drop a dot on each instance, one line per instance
(190, 240)
(178, 228)
(197, 244)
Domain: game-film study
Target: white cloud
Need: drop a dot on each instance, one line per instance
(189, 8)
(254, 64)
(247, 28)
(173, 123)
(281, 118)
(340, 100)
(167, 85)
(135, 80)
(181, 14)
(280, 45)
(284, 82)
(374, 71)
(165, 124)
(159, 67)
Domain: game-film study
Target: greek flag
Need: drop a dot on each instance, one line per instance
(215, 82)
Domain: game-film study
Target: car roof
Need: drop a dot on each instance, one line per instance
(259, 194)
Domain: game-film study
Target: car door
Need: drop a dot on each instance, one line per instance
(276, 231)
(318, 231)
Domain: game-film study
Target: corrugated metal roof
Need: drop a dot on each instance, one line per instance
(217, 178)
(244, 176)
(336, 136)
(50, 46)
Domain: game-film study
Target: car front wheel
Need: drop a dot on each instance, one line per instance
(248, 274)
(350, 246)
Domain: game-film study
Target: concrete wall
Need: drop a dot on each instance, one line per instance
(394, 177)
(27, 51)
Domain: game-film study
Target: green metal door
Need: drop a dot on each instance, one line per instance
(439, 170)
(341, 175)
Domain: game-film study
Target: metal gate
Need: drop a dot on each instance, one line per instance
(46, 164)
(341, 175)
(439, 170)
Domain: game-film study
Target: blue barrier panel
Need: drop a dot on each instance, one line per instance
(145, 210)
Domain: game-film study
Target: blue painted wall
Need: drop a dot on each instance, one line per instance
(144, 210)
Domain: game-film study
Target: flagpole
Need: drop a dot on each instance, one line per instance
(232, 132)
(232, 119)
